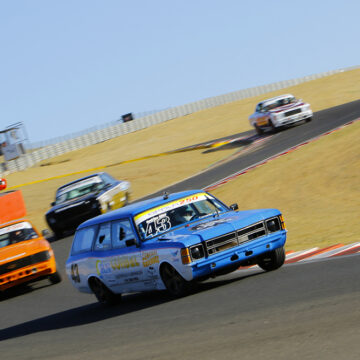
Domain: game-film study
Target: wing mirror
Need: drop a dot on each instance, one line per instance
(130, 242)
(234, 207)
(45, 233)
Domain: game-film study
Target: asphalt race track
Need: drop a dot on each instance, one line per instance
(307, 310)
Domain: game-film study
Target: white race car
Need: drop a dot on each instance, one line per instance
(275, 113)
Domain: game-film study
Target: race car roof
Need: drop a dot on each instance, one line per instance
(276, 98)
(83, 178)
(137, 207)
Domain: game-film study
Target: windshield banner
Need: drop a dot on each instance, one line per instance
(169, 206)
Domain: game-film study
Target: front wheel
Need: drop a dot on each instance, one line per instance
(258, 130)
(105, 296)
(273, 259)
(175, 284)
(273, 128)
(55, 278)
(308, 119)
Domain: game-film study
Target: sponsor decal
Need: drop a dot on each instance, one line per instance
(210, 224)
(150, 258)
(133, 273)
(174, 253)
(169, 206)
(116, 263)
(102, 267)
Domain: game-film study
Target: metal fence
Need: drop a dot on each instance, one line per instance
(112, 130)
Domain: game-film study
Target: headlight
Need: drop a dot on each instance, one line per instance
(193, 253)
(197, 252)
(273, 224)
(277, 116)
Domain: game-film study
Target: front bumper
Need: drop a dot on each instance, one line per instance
(237, 256)
(28, 274)
(292, 119)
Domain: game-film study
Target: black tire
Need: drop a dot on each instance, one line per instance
(58, 234)
(55, 278)
(309, 119)
(258, 130)
(175, 284)
(105, 296)
(273, 259)
(273, 129)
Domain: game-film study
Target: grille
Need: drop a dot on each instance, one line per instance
(221, 243)
(252, 232)
(293, 112)
(233, 239)
(26, 261)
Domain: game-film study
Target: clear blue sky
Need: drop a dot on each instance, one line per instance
(68, 65)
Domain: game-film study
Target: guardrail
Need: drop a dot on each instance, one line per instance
(118, 129)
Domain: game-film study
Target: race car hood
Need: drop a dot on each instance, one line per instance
(286, 107)
(22, 249)
(215, 226)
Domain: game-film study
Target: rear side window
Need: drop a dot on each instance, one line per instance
(83, 240)
(103, 239)
(122, 231)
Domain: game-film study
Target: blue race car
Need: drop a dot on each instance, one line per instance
(171, 242)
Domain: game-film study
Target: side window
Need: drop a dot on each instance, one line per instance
(120, 232)
(83, 240)
(103, 239)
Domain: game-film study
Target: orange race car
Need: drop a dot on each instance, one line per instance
(25, 255)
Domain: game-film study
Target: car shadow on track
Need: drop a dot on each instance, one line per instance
(94, 312)
(24, 289)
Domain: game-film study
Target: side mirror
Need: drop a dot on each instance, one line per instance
(234, 207)
(53, 203)
(130, 242)
(45, 233)
(122, 234)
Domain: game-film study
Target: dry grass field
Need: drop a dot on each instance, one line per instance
(150, 175)
(316, 187)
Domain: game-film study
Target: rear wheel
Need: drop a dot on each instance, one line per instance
(175, 284)
(103, 294)
(55, 278)
(273, 259)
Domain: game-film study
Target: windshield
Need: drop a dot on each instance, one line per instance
(278, 103)
(78, 189)
(173, 214)
(13, 234)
